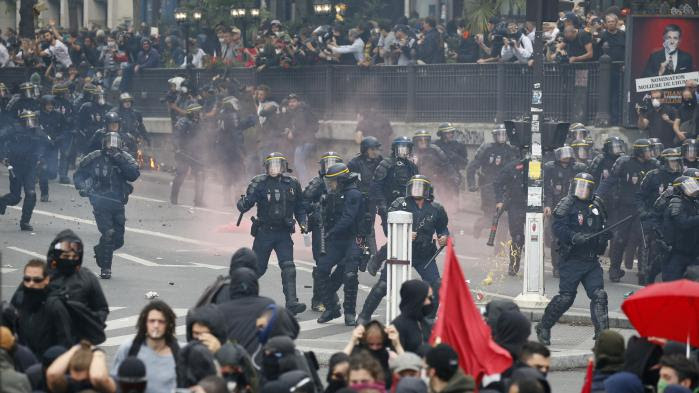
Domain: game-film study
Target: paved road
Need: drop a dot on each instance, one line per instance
(177, 251)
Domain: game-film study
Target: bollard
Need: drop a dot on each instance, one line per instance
(398, 259)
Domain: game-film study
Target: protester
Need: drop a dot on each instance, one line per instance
(82, 367)
(237, 368)
(512, 331)
(623, 382)
(131, 376)
(12, 381)
(405, 365)
(379, 341)
(677, 370)
(609, 358)
(338, 372)
(444, 372)
(536, 355)
(415, 306)
(365, 373)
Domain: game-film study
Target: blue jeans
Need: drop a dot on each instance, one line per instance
(301, 153)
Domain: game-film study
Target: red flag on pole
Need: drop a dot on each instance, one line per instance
(587, 386)
(460, 324)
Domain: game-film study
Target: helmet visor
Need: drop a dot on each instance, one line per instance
(580, 133)
(674, 165)
(418, 188)
(328, 161)
(656, 149)
(564, 154)
(689, 152)
(582, 153)
(28, 92)
(500, 136)
(99, 98)
(402, 151)
(690, 187)
(582, 188)
(330, 183)
(112, 141)
(616, 148)
(276, 166)
(113, 127)
(30, 121)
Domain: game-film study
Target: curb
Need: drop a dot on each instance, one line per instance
(616, 320)
(568, 359)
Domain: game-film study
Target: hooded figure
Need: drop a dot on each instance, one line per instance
(411, 324)
(530, 374)
(236, 367)
(640, 358)
(209, 316)
(243, 308)
(279, 357)
(512, 331)
(78, 287)
(218, 292)
(194, 363)
(623, 382)
(609, 357)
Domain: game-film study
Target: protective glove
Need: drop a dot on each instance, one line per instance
(579, 238)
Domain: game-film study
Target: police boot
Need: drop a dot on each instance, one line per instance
(543, 335)
(316, 302)
(332, 309)
(25, 226)
(199, 189)
(376, 261)
(514, 262)
(64, 180)
(378, 292)
(175, 191)
(3, 207)
(351, 284)
(599, 312)
(27, 209)
(289, 288)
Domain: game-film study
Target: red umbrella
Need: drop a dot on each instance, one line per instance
(667, 310)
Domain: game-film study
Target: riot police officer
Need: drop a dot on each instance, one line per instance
(511, 194)
(114, 123)
(131, 119)
(689, 152)
(682, 221)
(63, 105)
(489, 160)
(577, 220)
(601, 165)
(429, 220)
(188, 141)
(623, 183)
(391, 176)
(25, 101)
(90, 117)
(103, 176)
(312, 195)
(656, 147)
(52, 124)
(230, 143)
(434, 164)
(577, 132)
(455, 150)
(278, 198)
(341, 214)
(582, 152)
(21, 148)
(653, 185)
(557, 177)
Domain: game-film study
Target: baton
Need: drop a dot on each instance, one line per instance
(105, 198)
(494, 226)
(240, 217)
(434, 257)
(609, 228)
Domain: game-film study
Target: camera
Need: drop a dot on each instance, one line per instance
(645, 105)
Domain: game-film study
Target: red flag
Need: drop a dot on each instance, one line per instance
(587, 386)
(460, 324)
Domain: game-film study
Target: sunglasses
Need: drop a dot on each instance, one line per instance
(36, 279)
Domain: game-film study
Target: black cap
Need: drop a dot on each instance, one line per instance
(131, 370)
(444, 360)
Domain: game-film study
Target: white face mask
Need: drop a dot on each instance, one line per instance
(424, 377)
(656, 103)
(221, 40)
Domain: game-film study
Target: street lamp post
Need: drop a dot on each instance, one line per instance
(244, 14)
(186, 18)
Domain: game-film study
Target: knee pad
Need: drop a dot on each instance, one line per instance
(109, 235)
(351, 278)
(567, 299)
(599, 296)
(284, 265)
(30, 196)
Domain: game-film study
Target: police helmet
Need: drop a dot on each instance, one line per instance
(575, 126)
(47, 101)
(422, 137)
(672, 160)
(642, 149)
(327, 160)
(111, 140)
(112, 120)
(124, 97)
(59, 88)
(444, 129)
(29, 119)
(402, 147)
(564, 154)
(89, 91)
(231, 102)
(27, 89)
(656, 147)
(691, 172)
(581, 149)
(582, 186)
(689, 149)
(98, 96)
(500, 134)
(3, 90)
(419, 187)
(194, 111)
(614, 146)
(369, 142)
(581, 133)
(688, 185)
(336, 175)
(276, 164)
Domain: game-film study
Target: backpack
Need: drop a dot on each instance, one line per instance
(210, 292)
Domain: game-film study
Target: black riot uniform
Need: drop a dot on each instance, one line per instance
(681, 226)
(312, 195)
(21, 148)
(342, 211)
(690, 148)
(623, 183)
(456, 150)
(429, 219)
(4, 97)
(488, 161)
(557, 177)
(90, 118)
(575, 219)
(511, 194)
(435, 164)
(23, 102)
(391, 176)
(230, 143)
(582, 151)
(63, 105)
(601, 165)
(365, 165)
(113, 123)
(103, 176)
(189, 144)
(131, 119)
(652, 187)
(278, 197)
(54, 125)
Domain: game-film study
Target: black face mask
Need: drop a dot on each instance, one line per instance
(33, 297)
(427, 309)
(270, 367)
(66, 266)
(336, 384)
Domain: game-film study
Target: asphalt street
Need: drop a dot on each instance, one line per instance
(177, 250)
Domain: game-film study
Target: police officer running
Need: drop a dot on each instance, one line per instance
(230, 143)
(90, 117)
(429, 219)
(103, 176)
(455, 150)
(278, 198)
(576, 218)
(342, 213)
(113, 123)
(20, 150)
(63, 105)
(682, 223)
(188, 142)
(511, 194)
(54, 125)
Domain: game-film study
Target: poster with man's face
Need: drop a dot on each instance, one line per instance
(662, 55)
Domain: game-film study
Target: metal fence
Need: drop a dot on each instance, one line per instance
(430, 93)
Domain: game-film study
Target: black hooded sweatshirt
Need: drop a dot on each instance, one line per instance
(243, 308)
(413, 328)
(512, 331)
(243, 257)
(210, 316)
(43, 321)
